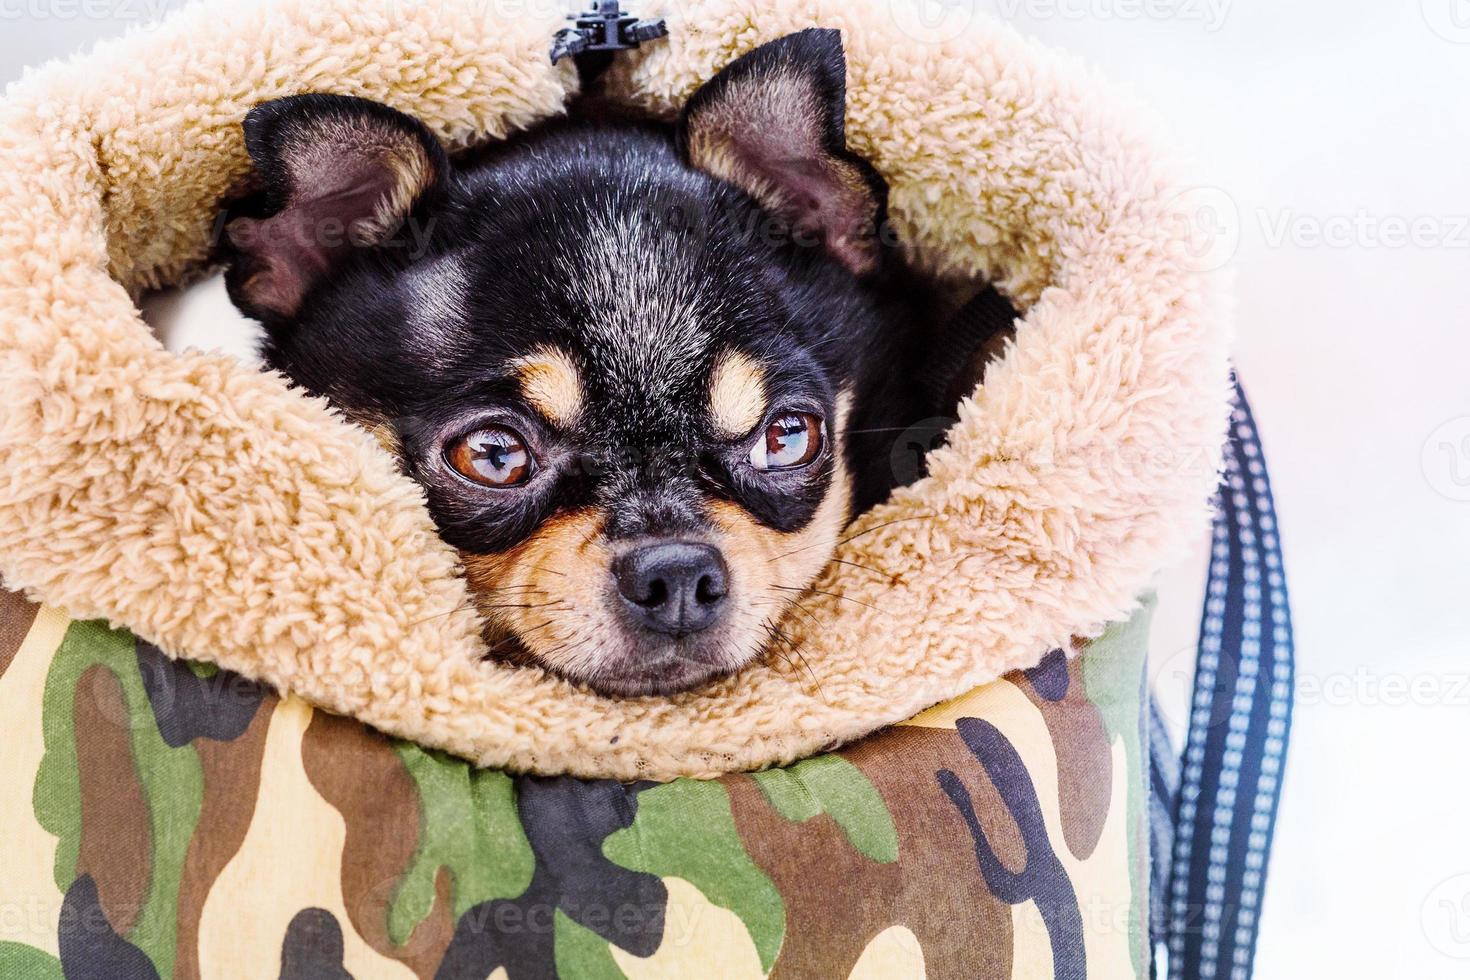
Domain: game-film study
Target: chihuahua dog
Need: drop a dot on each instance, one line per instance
(644, 373)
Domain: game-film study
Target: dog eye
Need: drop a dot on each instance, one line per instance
(790, 441)
(493, 457)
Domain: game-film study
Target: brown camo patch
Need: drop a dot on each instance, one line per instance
(117, 842)
(231, 783)
(358, 772)
(16, 616)
(1084, 759)
(837, 899)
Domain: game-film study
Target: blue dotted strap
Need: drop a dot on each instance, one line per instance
(1230, 777)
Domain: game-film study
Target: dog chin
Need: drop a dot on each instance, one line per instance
(656, 668)
(658, 680)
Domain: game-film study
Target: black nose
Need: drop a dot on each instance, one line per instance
(673, 587)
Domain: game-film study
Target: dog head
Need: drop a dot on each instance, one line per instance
(620, 360)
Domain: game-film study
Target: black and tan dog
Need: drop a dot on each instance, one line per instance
(644, 374)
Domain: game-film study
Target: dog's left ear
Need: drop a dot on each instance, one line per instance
(771, 123)
(337, 174)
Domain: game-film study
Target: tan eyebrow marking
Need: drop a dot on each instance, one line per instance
(551, 383)
(737, 394)
(387, 438)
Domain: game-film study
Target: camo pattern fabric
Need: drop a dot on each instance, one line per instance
(165, 819)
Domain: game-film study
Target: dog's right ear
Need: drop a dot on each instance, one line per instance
(336, 174)
(771, 123)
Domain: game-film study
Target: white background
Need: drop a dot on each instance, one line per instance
(1326, 132)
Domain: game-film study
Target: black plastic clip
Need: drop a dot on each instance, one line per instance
(606, 28)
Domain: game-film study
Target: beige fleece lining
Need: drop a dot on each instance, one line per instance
(216, 512)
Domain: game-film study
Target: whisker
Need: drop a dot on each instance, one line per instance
(517, 635)
(499, 643)
(858, 564)
(835, 595)
(447, 612)
(854, 537)
(596, 529)
(776, 631)
(771, 648)
(811, 616)
(792, 605)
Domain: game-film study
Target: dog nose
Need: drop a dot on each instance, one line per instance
(673, 587)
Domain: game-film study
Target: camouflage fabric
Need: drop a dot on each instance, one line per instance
(164, 819)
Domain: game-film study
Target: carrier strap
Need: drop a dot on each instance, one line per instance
(1229, 781)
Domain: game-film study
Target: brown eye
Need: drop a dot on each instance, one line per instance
(494, 457)
(790, 441)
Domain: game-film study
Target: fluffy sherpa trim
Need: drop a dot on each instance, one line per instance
(220, 514)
